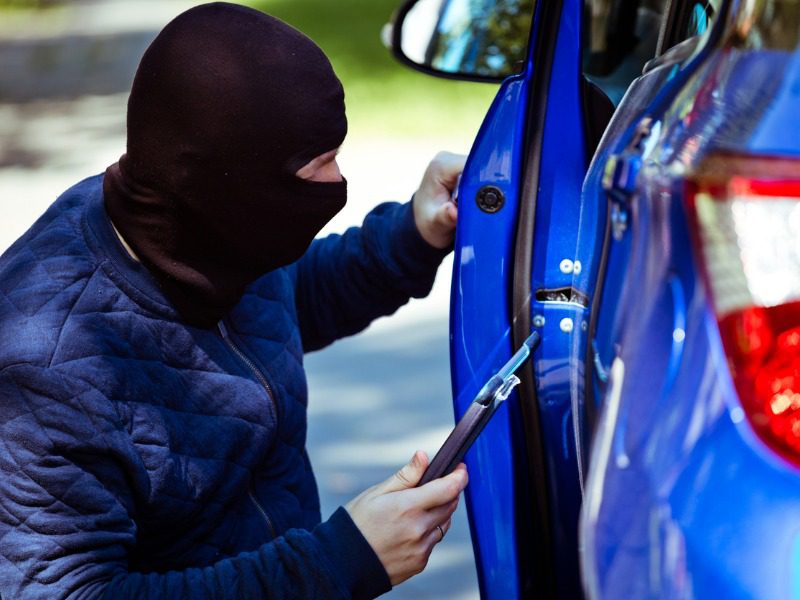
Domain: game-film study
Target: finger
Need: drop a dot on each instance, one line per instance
(408, 476)
(435, 535)
(439, 491)
(448, 215)
(448, 165)
(443, 219)
(446, 525)
(444, 170)
(440, 514)
(452, 212)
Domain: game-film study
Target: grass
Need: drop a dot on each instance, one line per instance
(383, 97)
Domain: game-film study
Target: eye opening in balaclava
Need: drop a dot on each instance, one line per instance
(227, 104)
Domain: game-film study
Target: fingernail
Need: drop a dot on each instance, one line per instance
(415, 460)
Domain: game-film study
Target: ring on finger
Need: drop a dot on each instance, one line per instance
(441, 532)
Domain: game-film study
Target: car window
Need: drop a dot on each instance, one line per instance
(687, 19)
(623, 35)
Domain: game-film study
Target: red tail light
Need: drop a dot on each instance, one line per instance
(746, 219)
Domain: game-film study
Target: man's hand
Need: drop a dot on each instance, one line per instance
(434, 212)
(400, 521)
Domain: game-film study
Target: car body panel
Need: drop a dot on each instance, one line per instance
(684, 501)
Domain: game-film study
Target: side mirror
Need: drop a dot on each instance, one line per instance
(476, 40)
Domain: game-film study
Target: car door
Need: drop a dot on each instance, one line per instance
(519, 213)
(520, 187)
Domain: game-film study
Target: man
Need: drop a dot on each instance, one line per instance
(152, 327)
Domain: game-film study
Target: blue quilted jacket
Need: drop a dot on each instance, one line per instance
(142, 458)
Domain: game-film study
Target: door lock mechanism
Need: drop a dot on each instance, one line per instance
(490, 199)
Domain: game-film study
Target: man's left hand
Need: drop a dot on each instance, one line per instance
(434, 211)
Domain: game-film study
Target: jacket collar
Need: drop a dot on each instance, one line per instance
(130, 276)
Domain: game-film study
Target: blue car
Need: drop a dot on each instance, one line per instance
(634, 196)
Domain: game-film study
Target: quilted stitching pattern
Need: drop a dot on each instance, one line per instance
(189, 423)
(119, 421)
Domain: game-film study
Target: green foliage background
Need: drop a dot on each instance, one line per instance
(25, 4)
(383, 97)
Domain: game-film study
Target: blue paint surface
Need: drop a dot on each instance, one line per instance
(688, 502)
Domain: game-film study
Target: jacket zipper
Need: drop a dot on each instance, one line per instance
(265, 384)
(261, 510)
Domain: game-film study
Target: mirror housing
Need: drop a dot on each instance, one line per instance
(483, 40)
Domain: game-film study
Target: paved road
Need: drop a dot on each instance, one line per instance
(374, 398)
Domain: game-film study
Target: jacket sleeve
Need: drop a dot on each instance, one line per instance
(67, 514)
(344, 282)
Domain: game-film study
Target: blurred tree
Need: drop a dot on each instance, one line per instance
(29, 3)
(382, 96)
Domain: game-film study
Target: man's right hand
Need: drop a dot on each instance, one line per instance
(400, 521)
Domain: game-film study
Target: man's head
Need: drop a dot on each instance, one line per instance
(227, 107)
(239, 89)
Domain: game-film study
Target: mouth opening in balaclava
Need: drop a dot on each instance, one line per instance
(227, 104)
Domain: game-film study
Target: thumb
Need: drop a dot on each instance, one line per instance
(408, 476)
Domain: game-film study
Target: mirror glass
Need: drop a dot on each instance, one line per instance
(488, 38)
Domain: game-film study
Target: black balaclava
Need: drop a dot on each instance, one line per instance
(227, 104)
